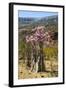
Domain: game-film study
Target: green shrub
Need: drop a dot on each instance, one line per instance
(50, 52)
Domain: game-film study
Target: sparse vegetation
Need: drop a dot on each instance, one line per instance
(48, 52)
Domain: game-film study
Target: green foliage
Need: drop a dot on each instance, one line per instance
(51, 52)
(22, 49)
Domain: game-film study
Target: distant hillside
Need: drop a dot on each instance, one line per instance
(50, 22)
(26, 21)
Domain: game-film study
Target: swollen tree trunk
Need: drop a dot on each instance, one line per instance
(34, 65)
(38, 59)
(41, 65)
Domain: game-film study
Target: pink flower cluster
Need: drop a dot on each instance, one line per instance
(39, 36)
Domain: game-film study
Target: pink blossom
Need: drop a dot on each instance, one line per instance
(39, 36)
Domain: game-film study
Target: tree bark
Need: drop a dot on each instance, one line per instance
(41, 60)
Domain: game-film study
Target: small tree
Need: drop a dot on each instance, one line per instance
(39, 37)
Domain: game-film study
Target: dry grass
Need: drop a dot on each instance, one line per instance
(25, 73)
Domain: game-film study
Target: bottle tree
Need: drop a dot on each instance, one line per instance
(37, 41)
